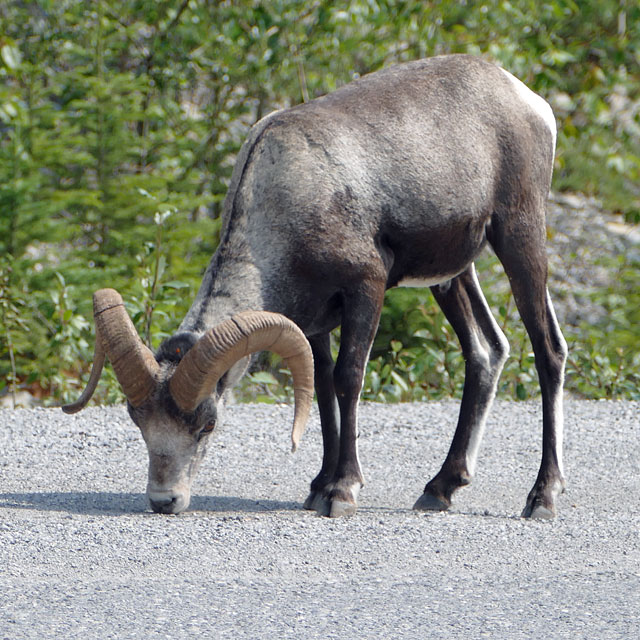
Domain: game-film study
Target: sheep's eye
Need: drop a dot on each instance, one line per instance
(209, 428)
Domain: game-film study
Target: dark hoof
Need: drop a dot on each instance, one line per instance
(323, 506)
(538, 512)
(541, 501)
(333, 503)
(429, 502)
(316, 501)
(311, 498)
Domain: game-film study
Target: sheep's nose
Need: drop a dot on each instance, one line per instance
(168, 502)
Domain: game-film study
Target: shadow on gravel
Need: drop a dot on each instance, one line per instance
(77, 502)
(117, 504)
(231, 503)
(451, 513)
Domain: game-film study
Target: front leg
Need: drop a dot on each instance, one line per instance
(360, 316)
(328, 407)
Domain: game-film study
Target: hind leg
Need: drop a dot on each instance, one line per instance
(485, 350)
(550, 351)
(522, 253)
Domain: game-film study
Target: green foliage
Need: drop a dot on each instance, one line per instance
(119, 125)
(418, 345)
(12, 322)
(415, 355)
(66, 344)
(604, 360)
(153, 298)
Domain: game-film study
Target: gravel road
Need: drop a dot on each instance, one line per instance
(81, 556)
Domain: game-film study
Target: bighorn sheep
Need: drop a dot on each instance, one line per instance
(399, 178)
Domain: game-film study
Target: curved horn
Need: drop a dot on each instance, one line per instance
(96, 371)
(220, 348)
(116, 338)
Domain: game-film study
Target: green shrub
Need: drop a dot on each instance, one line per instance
(114, 115)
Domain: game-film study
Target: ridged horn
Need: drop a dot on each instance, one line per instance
(221, 347)
(116, 338)
(96, 371)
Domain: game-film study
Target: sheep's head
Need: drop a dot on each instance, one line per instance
(174, 396)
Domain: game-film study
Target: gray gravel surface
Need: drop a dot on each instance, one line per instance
(81, 556)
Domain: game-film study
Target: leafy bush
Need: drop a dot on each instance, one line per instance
(114, 115)
(604, 360)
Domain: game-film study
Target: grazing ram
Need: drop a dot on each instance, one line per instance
(399, 178)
